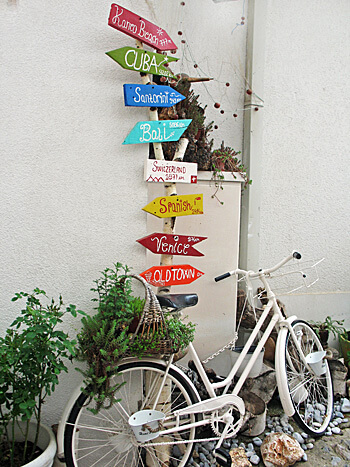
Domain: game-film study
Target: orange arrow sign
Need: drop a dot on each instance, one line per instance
(161, 276)
(173, 206)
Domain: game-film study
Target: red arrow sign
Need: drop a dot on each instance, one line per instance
(168, 244)
(161, 276)
(140, 29)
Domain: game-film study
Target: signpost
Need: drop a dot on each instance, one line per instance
(158, 131)
(143, 61)
(150, 95)
(170, 171)
(169, 244)
(162, 276)
(174, 206)
(140, 29)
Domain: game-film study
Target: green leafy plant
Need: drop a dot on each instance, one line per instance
(225, 159)
(108, 335)
(179, 332)
(336, 327)
(32, 355)
(104, 337)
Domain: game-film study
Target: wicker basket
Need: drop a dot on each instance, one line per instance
(152, 322)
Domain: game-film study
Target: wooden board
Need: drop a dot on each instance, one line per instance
(139, 28)
(157, 131)
(161, 276)
(174, 206)
(150, 95)
(171, 244)
(161, 171)
(143, 61)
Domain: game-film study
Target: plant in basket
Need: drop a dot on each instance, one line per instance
(32, 355)
(124, 325)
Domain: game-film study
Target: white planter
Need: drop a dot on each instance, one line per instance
(255, 371)
(46, 442)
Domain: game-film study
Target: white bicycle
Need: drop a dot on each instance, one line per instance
(160, 413)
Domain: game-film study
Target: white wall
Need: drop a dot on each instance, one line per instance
(303, 193)
(71, 194)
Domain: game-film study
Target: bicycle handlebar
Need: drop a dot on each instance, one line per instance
(294, 255)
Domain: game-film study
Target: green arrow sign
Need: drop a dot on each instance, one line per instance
(142, 61)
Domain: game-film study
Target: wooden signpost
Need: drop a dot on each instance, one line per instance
(150, 95)
(162, 276)
(140, 29)
(174, 206)
(143, 61)
(171, 244)
(158, 131)
(170, 171)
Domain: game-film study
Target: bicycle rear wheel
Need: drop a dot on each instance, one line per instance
(107, 439)
(306, 396)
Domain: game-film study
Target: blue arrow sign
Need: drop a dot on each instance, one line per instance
(150, 95)
(159, 131)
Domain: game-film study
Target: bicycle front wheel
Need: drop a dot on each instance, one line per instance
(107, 439)
(306, 396)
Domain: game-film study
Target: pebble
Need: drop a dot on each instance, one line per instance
(177, 452)
(304, 458)
(336, 430)
(298, 437)
(257, 441)
(336, 460)
(309, 445)
(345, 406)
(255, 460)
(338, 414)
(304, 435)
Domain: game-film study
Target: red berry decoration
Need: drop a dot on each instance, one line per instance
(243, 18)
(182, 3)
(216, 105)
(216, 127)
(183, 42)
(195, 65)
(235, 115)
(222, 111)
(249, 91)
(227, 84)
(180, 33)
(256, 109)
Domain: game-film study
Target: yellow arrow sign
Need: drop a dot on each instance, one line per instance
(173, 206)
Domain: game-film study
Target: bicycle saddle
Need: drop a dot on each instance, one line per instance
(178, 301)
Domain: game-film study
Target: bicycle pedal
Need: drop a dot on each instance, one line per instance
(223, 457)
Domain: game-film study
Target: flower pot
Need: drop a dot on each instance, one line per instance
(46, 442)
(344, 342)
(255, 370)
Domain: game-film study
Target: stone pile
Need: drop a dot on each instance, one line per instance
(250, 452)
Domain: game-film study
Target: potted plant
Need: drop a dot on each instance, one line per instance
(344, 343)
(108, 335)
(323, 328)
(225, 159)
(32, 355)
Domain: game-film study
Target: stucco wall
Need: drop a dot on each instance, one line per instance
(303, 195)
(71, 194)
